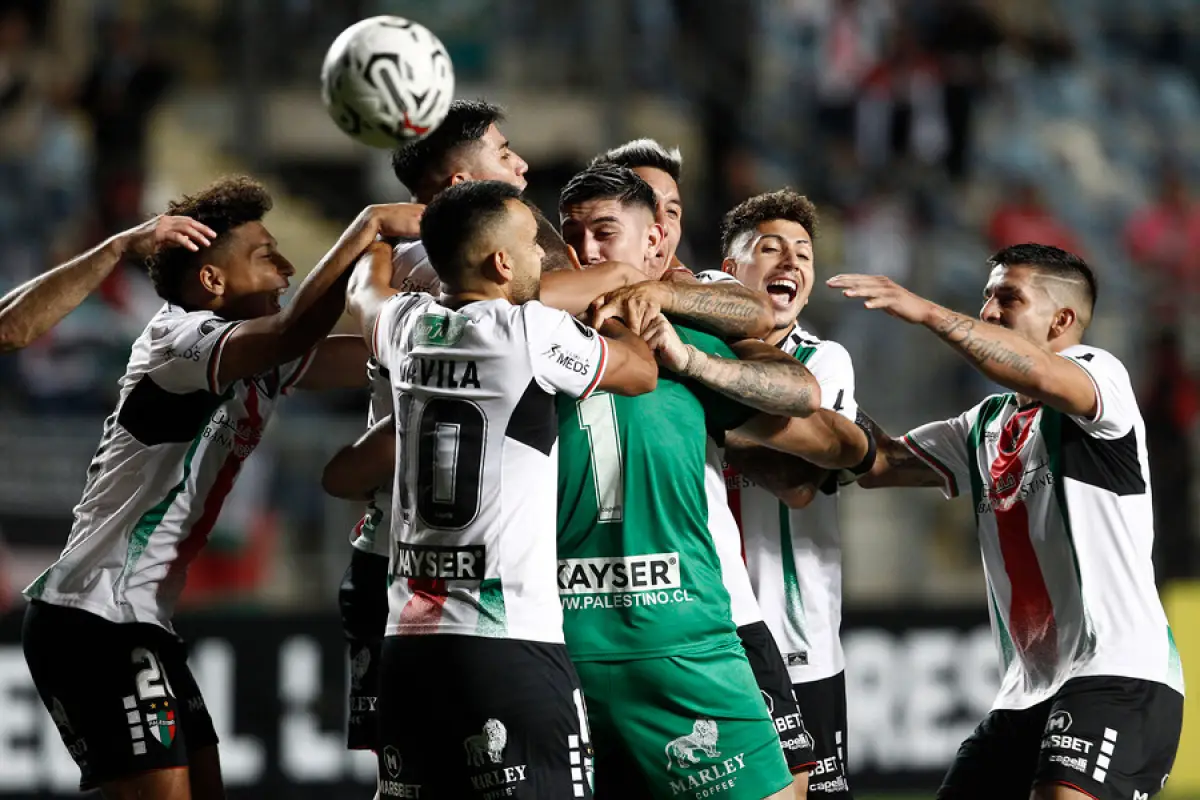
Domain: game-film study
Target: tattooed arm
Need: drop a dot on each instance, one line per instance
(729, 310)
(1007, 357)
(1013, 361)
(761, 377)
(895, 464)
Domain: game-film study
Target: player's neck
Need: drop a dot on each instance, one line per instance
(461, 297)
(779, 334)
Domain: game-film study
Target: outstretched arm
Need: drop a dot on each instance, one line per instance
(728, 309)
(1006, 357)
(259, 344)
(36, 306)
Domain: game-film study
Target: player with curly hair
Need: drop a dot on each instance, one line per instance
(786, 508)
(199, 389)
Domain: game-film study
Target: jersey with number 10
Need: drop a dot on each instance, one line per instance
(473, 499)
(638, 574)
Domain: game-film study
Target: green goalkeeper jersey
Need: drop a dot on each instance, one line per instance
(638, 575)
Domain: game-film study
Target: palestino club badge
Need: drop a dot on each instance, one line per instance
(161, 722)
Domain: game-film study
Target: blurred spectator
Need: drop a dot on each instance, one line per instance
(1023, 217)
(850, 37)
(24, 106)
(1164, 240)
(123, 86)
(963, 37)
(1171, 407)
(900, 109)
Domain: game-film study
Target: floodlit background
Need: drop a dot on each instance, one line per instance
(929, 132)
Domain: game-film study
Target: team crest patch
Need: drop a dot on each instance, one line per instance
(161, 722)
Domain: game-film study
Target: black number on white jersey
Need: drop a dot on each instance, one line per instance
(450, 441)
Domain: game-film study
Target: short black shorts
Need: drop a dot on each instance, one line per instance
(362, 599)
(823, 707)
(1111, 738)
(471, 717)
(121, 695)
(772, 677)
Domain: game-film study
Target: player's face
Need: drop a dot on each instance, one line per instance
(525, 253)
(606, 230)
(670, 210)
(493, 160)
(249, 273)
(1013, 299)
(780, 263)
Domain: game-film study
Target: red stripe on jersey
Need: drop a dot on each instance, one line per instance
(245, 440)
(423, 612)
(599, 370)
(1031, 613)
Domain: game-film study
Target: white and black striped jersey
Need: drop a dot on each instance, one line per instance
(475, 493)
(167, 460)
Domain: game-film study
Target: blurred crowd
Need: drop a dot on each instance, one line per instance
(929, 132)
(72, 168)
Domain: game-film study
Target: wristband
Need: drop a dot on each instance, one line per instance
(852, 474)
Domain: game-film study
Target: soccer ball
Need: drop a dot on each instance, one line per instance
(387, 81)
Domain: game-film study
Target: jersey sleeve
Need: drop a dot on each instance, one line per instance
(411, 270)
(1116, 403)
(834, 371)
(389, 325)
(191, 346)
(722, 413)
(943, 447)
(567, 356)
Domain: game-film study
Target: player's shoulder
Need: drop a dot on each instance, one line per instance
(1092, 358)
(411, 270)
(715, 276)
(801, 339)
(171, 320)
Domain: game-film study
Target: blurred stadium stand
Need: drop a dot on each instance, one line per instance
(928, 131)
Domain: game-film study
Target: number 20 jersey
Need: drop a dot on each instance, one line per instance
(475, 490)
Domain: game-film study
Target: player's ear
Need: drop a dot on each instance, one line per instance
(500, 267)
(458, 177)
(212, 279)
(1064, 318)
(655, 238)
(730, 266)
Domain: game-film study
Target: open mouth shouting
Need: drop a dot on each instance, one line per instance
(783, 291)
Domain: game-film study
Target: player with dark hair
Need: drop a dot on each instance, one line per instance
(793, 555)
(474, 616)
(202, 382)
(467, 146)
(662, 169)
(1091, 694)
(36, 306)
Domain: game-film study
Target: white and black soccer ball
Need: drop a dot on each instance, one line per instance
(387, 81)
